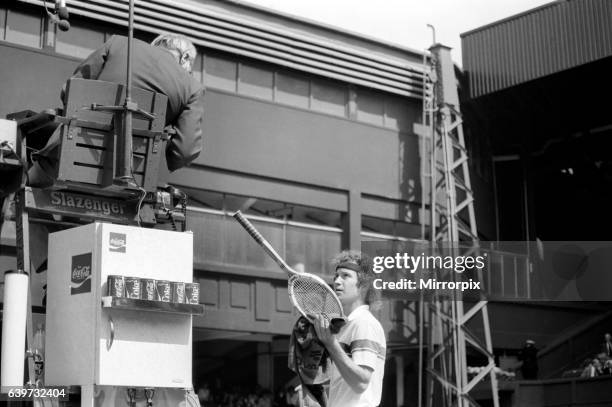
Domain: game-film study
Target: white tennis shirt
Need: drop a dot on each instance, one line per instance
(363, 339)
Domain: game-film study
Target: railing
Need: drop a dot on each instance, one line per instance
(575, 392)
(372, 236)
(507, 275)
(220, 240)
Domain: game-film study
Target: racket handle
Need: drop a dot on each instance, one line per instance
(249, 228)
(262, 241)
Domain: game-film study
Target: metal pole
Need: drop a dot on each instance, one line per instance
(423, 146)
(421, 328)
(433, 32)
(124, 154)
(128, 91)
(432, 221)
(525, 158)
(495, 199)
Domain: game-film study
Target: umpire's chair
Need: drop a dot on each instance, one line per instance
(89, 137)
(79, 146)
(80, 156)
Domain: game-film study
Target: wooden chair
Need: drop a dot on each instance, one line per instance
(89, 136)
(82, 149)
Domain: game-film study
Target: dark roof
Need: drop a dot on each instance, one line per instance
(539, 42)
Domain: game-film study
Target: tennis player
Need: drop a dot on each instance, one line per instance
(357, 351)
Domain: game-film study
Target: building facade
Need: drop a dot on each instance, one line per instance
(307, 128)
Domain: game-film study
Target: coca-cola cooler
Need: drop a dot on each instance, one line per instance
(89, 343)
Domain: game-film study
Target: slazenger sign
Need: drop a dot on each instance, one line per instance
(74, 203)
(86, 203)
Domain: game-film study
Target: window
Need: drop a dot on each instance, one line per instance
(3, 12)
(220, 73)
(79, 41)
(24, 29)
(256, 82)
(399, 113)
(329, 98)
(389, 227)
(370, 107)
(300, 234)
(292, 90)
(298, 89)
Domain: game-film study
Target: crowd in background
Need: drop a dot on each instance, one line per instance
(601, 364)
(598, 364)
(243, 396)
(523, 364)
(218, 395)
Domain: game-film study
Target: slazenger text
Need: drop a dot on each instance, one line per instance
(91, 204)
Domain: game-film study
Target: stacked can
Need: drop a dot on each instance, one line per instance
(153, 290)
(178, 292)
(192, 293)
(116, 286)
(132, 288)
(164, 290)
(147, 289)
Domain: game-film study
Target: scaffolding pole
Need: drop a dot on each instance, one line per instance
(445, 170)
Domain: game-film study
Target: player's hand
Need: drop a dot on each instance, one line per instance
(322, 328)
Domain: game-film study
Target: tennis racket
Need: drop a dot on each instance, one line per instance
(309, 293)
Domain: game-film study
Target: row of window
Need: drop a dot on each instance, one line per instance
(230, 203)
(299, 90)
(262, 81)
(26, 26)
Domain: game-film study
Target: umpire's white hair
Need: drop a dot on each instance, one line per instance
(175, 41)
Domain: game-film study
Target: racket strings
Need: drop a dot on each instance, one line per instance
(314, 297)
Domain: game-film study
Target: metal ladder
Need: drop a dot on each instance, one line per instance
(445, 169)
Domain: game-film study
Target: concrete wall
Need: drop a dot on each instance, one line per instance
(31, 79)
(285, 143)
(250, 136)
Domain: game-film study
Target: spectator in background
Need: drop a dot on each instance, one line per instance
(529, 356)
(607, 369)
(607, 345)
(265, 399)
(593, 369)
(204, 395)
(292, 397)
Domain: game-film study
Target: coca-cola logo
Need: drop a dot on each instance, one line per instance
(80, 276)
(117, 242)
(81, 272)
